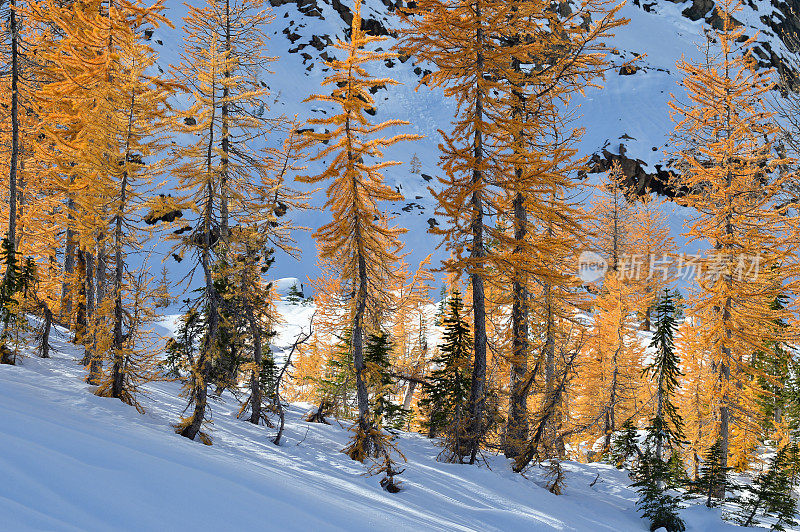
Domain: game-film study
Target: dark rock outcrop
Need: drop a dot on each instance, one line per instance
(637, 179)
(698, 9)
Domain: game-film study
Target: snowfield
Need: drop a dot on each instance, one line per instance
(72, 461)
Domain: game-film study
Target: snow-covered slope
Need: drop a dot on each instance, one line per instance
(72, 461)
(630, 111)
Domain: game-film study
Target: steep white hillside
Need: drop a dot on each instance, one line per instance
(72, 461)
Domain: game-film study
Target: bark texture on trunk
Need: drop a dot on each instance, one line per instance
(517, 428)
(118, 370)
(477, 395)
(255, 380)
(209, 346)
(14, 160)
(362, 395)
(44, 345)
(224, 228)
(210, 340)
(67, 286)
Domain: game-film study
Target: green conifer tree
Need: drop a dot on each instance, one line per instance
(181, 348)
(379, 381)
(17, 280)
(713, 478)
(655, 502)
(677, 476)
(625, 450)
(336, 384)
(295, 295)
(447, 390)
(666, 427)
(775, 378)
(792, 394)
(771, 492)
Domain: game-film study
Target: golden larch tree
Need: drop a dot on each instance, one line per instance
(724, 141)
(227, 182)
(359, 238)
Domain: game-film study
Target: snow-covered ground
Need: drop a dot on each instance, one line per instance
(72, 461)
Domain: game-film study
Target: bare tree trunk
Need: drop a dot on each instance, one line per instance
(477, 395)
(80, 315)
(549, 354)
(517, 428)
(724, 420)
(209, 341)
(90, 357)
(44, 345)
(101, 282)
(65, 311)
(101, 271)
(610, 418)
(362, 396)
(14, 161)
(548, 411)
(117, 371)
(409, 396)
(255, 380)
(200, 392)
(724, 367)
(358, 346)
(224, 161)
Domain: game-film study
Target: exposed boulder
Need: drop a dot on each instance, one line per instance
(636, 178)
(698, 9)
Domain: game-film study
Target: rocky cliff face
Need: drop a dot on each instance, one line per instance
(780, 19)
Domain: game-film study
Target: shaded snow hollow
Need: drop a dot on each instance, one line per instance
(72, 461)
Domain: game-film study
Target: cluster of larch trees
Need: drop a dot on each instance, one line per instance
(94, 132)
(530, 360)
(522, 357)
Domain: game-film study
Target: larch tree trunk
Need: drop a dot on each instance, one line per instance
(206, 352)
(44, 345)
(255, 380)
(517, 427)
(65, 309)
(224, 227)
(80, 314)
(610, 417)
(362, 395)
(90, 352)
(203, 363)
(13, 24)
(118, 369)
(477, 395)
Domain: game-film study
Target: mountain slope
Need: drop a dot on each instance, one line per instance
(629, 116)
(73, 461)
